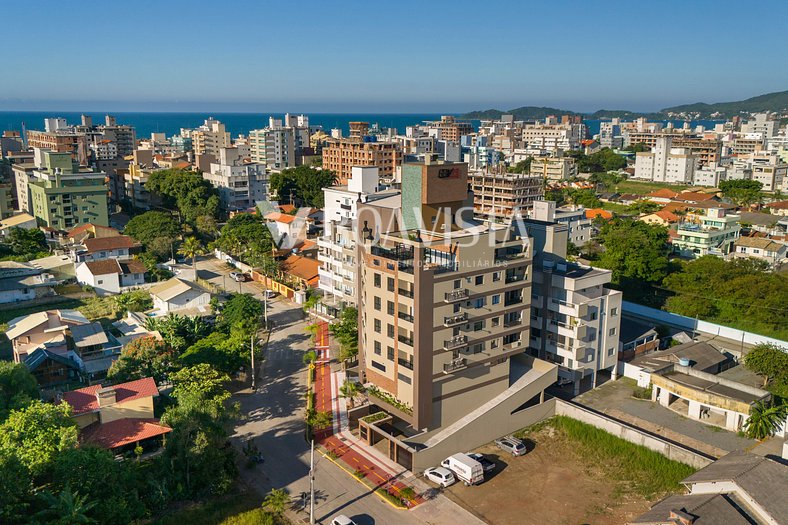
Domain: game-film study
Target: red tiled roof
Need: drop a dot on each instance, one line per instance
(109, 243)
(598, 212)
(86, 228)
(665, 215)
(780, 205)
(132, 266)
(122, 432)
(84, 400)
(105, 267)
(663, 193)
(280, 217)
(694, 196)
(301, 267)
(286, 208)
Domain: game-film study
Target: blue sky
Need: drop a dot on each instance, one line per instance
(387, 56)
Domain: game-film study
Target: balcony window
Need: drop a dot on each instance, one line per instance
(377, 303)
(377, 326)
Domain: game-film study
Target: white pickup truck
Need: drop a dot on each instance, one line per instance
(467, 469)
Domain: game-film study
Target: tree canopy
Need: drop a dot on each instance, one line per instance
(601, 161)
(302, 185)
(247, 238)
(18, 387)
(143, 357)
(769, 361)
(23, 245)
(742, 192)
(186, 191)
(156, 230)
(634, 250)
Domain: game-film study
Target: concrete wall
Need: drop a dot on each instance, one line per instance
(688, 323)
(634, 435)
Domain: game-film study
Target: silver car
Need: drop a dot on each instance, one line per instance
(440, 475)
(512, 445)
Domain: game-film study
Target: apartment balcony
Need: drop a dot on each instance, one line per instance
(508, 254)
(513, 322)
(404, 292)
(457, 363)
(456, 295)
(455, 319)
(405, 363)
(514, 279)
(458, 341)
(399, 253)
(405, 340)
(405, 316)
(509, 301)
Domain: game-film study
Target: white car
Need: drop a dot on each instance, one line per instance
(440, 475)
(342, 520)
(238, 277)
(269, 294)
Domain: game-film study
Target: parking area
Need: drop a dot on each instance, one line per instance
(551, 484)
(615, 399)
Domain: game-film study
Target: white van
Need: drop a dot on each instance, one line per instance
(467, 470)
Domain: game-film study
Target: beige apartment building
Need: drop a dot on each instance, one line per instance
(498, 194)
(340, 155)
(553, 168)
(61, 142)
(450, 129)
(209, 138)
(444, 308)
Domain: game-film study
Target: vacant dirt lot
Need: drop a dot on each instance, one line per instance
(550, 485)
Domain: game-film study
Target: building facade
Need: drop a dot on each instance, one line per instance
(240, 183)
(341, 155)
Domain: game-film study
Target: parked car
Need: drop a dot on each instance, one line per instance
(487, 465)
(342, 520)
(440, 475)
(238, 277)
(564, 381)
(512, 445)
(465, 468)
(269, 294)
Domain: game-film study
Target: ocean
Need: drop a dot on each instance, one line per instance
(242, 123)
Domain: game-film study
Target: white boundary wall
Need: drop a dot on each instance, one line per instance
(688, 323)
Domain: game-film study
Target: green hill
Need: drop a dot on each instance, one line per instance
(523, 113)
(777, 102)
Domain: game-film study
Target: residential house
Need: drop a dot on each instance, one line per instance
(636, 339)
(21, 220)
(102, 248)
(662, 195)
(23, 282)
(132, 327)
(85, 231)
(302, 271)
(287, 230)
(778, 208)
(629, 198)
(761, 248)
(694, 197)
(118, 417)
(109, 276)
(740, 488)
(179, 295)
(661, 217)
(593, 213)
(712, 233)
(61, 267)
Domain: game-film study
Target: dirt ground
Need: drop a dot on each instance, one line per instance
(550, 485)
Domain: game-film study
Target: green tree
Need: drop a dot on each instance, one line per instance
(25, 244)
(768, 360)
(346, 332)
(601, 161)
(18, 387)
(16, 489)
(200, 380)
(765, 419)
(186, 191)
(302, 186)
(225, 354)
(191, 248)
(133, 301)
(742, 192)
(634, 250)
(276, 501)
(247, 238)
(144, 357)
(320, 418)
(524, 166)
(37, 433)
(585, 198)
(240, 308)
(349, 390)
(643, 206)
(67, 508)
(156, 230)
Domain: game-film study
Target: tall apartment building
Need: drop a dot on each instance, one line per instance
(498, 194)
(340, 155)
(710, 232)
(665, 163)
(610, 134)
(61, 140)
(708, 152)
(209, 138)
(337, 246)
(575, 320)
(574, 217)
(61, 195)
(770, 170)
(241, 184)
(448, 128)
(279, 145)
(553, 168)
(553, 136)
(443, 309)
(761, 123)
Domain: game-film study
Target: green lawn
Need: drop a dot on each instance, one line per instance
(638, 469)
(242, 508)
(642, 188)
(615, 207)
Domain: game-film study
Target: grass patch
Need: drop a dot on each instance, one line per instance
(391, 498)
(642, 188)
(615, 208)
(638, 469)
(67, 304)
(641, 393)
(242, 508)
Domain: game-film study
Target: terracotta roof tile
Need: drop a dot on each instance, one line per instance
(598, 212)
(122, 432)
(301, 267)
(83, 400)
(280, 217)
(98, 244)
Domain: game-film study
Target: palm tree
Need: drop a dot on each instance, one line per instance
(764, 420)
(191, 247)
(67, 508)
(276, 501)
(349, 390)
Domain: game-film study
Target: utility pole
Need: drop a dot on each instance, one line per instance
(253, 369)
(265, 308)
(312, 484)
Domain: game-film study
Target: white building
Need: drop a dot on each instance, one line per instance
(665, 163)
(770, 171)
(708, 176)
(178, 295)
(337, 246)
(278, 144)
(761, 123)
(574, 217)
(110, 276)
(240, 183)
(209, 138)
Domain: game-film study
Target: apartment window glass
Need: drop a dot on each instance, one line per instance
(377, 326)
(614, 311)
(479, 280)
(379, 366)
(390, 283)
(378, 349)
(405, 379)
(612, 331)
(377, 280)
(496, 276)
(457, 284)
(478, 325)
(390, 353)
(480, 302)
(377, 303)
(390, 307)
(610, 351)
(494, 343)
(495, 321)
(390, 330)
(496, 299)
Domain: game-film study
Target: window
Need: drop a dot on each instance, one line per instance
(377, 303)
(405, 379)
(378, 350)
(496, 276)
(100, 281)
(479, 280)
(457, 284)
(390, 353)
(612, 331)
(377, 326)
(592, 317)
(379, 366)
(390, 308)
(610, 351)
(390, 284)
(614, 311)
(495, 321)
(390, 330)
(496, 299)
(480, 302)
(494, 344)
(478, 325)
(377, 280)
